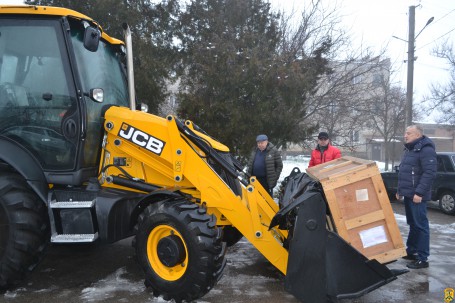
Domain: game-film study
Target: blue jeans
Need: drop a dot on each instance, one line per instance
(419, 230)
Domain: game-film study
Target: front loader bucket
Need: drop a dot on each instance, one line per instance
(322, 267)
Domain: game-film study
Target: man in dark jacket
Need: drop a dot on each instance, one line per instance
(265, 163)
(415, 177)
(324, 151)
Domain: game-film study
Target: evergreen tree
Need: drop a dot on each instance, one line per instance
(238, 81)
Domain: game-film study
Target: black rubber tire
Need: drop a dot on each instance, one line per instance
(202, 239)
(447, 202)
(231, 235)
(24, 230)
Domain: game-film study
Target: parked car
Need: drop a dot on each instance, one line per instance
(443, 189)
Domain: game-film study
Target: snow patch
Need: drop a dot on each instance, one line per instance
(107, 287)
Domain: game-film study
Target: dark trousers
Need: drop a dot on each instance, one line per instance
(419, 230)
(263, 181)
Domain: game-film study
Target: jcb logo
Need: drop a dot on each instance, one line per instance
(141, 138)
(448, 295)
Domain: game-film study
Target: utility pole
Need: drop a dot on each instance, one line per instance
(411, 58)
(410, 78)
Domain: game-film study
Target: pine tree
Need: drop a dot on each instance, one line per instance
(238, 81)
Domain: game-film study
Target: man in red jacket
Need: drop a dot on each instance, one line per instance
(324, 151)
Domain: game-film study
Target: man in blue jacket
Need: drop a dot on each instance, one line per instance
(415, 177)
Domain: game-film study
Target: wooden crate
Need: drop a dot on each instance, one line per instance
(360, 207)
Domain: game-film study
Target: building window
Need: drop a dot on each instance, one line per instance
(429, 131)
(377, 80)
(354, 136)
(378, 107)
(357, 79)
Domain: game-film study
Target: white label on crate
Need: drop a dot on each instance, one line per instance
(373, 236)
(361, 195)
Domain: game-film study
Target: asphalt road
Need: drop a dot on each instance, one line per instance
(96, 273)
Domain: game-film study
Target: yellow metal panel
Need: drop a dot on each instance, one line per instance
(162, 156)
(53, 11)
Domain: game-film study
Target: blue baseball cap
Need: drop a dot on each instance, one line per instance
(261, 138)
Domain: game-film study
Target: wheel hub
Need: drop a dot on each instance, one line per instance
(171, 250)
(447, 202)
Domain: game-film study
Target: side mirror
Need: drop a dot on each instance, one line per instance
(91, 38)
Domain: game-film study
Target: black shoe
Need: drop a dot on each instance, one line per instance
(410, 257)
(418, 264)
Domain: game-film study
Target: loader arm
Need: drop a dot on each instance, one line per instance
(177, 157)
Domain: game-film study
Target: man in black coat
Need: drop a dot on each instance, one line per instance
(265, 163)
(415, 177)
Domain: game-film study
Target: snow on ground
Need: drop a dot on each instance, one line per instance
(107, 287)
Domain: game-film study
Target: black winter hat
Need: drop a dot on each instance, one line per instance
(323, 135)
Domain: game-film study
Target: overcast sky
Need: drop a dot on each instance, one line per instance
(373, 23)
(380, 20)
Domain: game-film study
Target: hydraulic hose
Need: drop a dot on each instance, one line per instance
(209, 151)
(132, 184)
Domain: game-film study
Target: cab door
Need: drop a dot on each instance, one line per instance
(37, 91)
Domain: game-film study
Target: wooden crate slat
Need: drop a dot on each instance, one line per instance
(341, 165)
(349, 199)
(330, 167)
(371, 245)
(342, 180)
(336, 216)
(390, 255)
(387, 209)
(365, 219)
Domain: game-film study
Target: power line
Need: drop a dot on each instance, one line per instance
(420, 63)
(439, 19)
(453, 29)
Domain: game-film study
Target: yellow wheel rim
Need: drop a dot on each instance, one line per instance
(165, 272)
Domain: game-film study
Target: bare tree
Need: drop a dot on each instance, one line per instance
(305, 33)
(341, 101)
(386, 115)
(443, 95)
(343, 96)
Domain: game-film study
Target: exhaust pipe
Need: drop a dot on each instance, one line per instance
(129, 65)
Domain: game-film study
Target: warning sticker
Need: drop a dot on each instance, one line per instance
(373, 236)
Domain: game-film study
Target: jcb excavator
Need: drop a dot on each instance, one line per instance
(79, 162)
